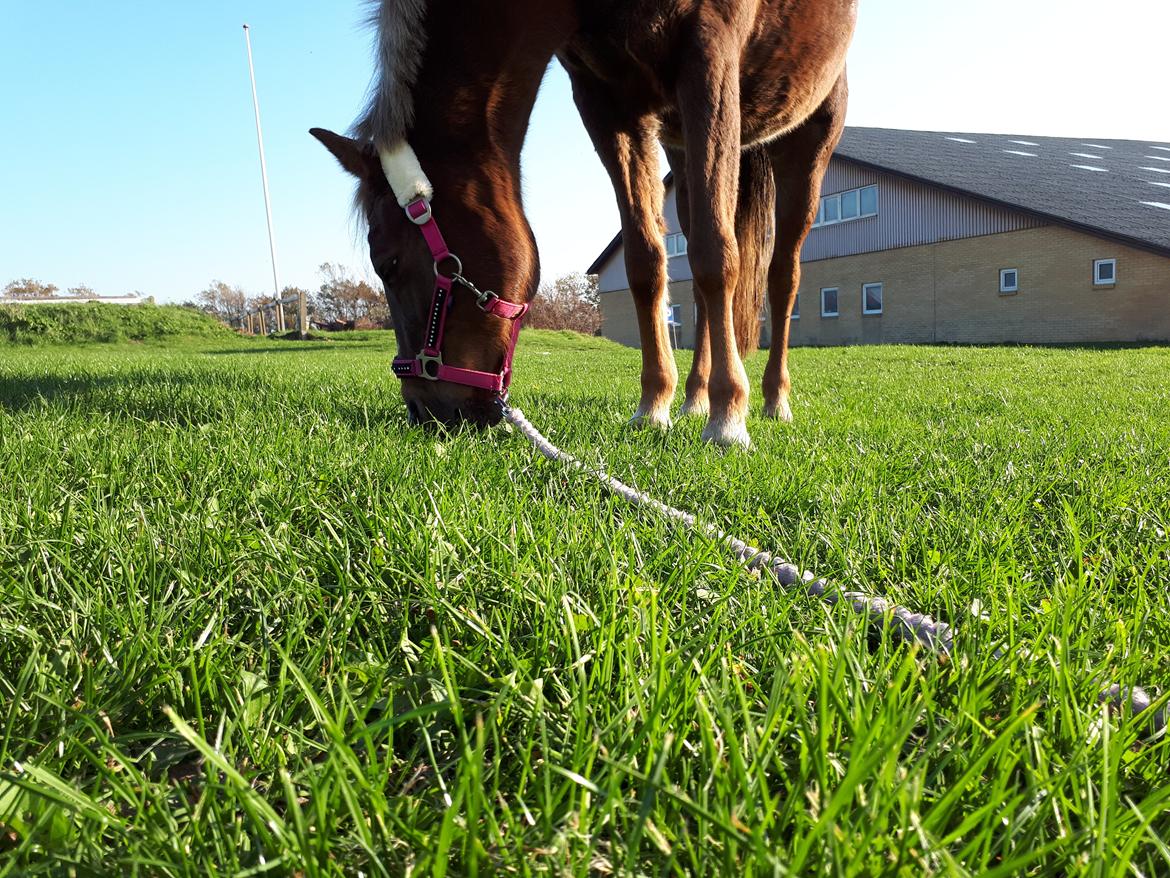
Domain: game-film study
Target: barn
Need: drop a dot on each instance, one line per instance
(935, 237)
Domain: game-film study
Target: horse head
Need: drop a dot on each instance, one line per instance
(477, 206)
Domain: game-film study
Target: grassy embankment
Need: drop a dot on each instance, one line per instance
(100, 323)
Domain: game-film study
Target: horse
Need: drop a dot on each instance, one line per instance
(747, 99)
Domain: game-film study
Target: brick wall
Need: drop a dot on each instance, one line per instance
(619, 320)
(949, 292)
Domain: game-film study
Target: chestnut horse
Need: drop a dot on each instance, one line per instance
(746, 96)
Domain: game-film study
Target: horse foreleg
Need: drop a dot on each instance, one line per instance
(708, 99)
(629, 150)
(697, 401)
(799, 161)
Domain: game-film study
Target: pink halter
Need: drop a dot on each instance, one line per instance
(429, 363)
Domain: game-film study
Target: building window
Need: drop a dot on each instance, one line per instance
(796, 307)
(1104, 272)
(846, 206)
(1009, 280)
(869, 201)
(676, 245)
(871, 299)
(829, 302)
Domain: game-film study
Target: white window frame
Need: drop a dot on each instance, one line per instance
(795, 308)
(837, 291)
(865, 288)
(836, 197)
(1097, 281)
(1003, 284)
(676, 245)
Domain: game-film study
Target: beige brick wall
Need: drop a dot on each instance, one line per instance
(619, 321)
(949, 292)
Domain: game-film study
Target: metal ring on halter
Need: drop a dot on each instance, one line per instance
(429, 366)
(458, 266)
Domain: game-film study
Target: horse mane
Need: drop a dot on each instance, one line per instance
(401, 40)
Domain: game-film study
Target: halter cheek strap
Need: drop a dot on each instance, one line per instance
(413, 191)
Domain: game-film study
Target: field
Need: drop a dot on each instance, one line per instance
(251, 623)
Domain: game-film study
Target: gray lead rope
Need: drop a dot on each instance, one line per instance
(938, 637)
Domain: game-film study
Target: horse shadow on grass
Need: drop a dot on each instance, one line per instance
(176, 399)
(193, 400)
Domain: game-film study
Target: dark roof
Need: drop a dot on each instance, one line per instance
(1104, 187)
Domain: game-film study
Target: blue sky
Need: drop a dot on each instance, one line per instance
(128, 157)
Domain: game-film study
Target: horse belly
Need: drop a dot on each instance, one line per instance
(768, 113)
(791, 64)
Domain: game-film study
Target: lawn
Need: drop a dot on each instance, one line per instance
(251, 623)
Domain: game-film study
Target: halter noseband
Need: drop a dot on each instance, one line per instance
(414, 192)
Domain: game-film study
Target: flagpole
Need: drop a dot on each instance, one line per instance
(267, 198)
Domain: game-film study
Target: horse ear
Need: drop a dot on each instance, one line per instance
(357, 157)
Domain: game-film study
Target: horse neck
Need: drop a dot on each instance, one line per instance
(480, 74)
(473, 98)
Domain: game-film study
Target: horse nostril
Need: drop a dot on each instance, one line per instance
(413, 415)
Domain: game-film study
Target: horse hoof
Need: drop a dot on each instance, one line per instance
(657, 420)
(781, 412)
(727, 433)
(695, 408)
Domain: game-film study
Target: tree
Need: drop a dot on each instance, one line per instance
(81, 291)
(343, 298)
(27, 288)
(228, 303)
(569, 302)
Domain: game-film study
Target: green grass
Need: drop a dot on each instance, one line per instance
(96, 322)
(251, 623)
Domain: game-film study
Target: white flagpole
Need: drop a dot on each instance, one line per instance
(264, 179)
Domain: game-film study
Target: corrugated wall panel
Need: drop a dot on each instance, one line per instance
(908, 214)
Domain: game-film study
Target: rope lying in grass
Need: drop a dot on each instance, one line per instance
(901, 622)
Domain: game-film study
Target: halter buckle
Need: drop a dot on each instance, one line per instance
(422, 218)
